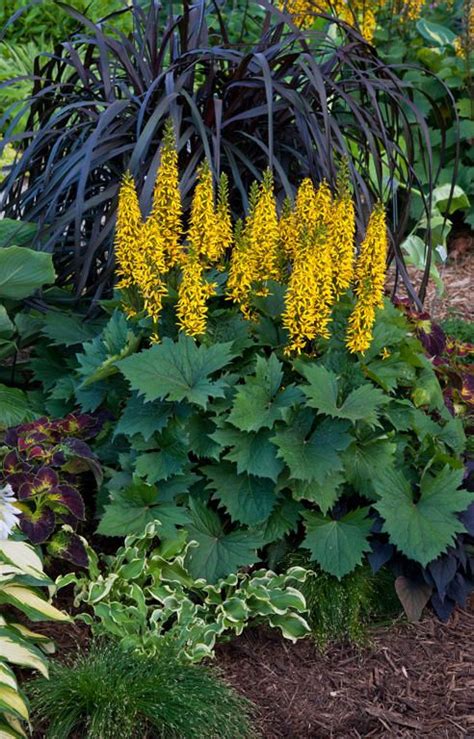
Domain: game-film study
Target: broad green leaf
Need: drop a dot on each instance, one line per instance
(254, 453)
(337, 545)
(422, 527)
(283, 519)
(201, 443)
(248, 499)
(7, 328)
(16, 233)
(69, 329)
(143, 418)
(133, 508)
(457, 199)
(22, 271)
(171, 458)
(99, 357)
(325, 494)
(313, 456)
(14, 407)
(365, 460)
(218, 553)
(363, 403)
(260, 402)
(435, 33)
(178, 371)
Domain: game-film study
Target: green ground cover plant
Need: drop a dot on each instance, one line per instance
(110, 692)
(145, 596)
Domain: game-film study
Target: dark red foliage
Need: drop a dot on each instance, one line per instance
(44, 467)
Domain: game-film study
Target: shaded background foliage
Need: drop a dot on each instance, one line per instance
(292, 100)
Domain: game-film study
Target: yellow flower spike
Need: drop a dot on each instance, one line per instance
(309, 296)
(324, 294)
(241, 271)
(369, 282)
(368, 24)
(289, 231)
(299, 316)
(193, 294)
(203, 232)
(128, 233)
(323, 204)
(305, 206)
(151, 267)
(342, 231)
(167, 211)
(264, 233)
(224, 231)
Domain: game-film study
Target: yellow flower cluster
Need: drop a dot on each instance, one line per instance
(369, 282)
(361, 14)
(319, 241)
(146, 250)
(309, 248)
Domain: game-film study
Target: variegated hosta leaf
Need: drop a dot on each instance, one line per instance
(7, 676)
(11, 701)
(292, 626)
(17, 651)
(23, 556)
(27, 600)
(10, 728)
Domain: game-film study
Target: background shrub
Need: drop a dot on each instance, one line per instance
(296, 102)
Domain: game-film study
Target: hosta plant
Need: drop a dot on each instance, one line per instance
(22, 583)
(43, 461)
(145, 597)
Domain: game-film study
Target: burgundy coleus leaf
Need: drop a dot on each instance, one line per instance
(70, 498)
(75, 551)
(80, 458)
(58, 458)
(17, 480)
(432, 337)
(12, 463)
(38, 525)
(44, 481)
(467, 389)
(68, 545)
(38, 452)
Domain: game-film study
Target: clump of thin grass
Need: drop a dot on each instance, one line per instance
(110, 693)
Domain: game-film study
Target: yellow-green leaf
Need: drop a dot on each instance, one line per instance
(12, 702)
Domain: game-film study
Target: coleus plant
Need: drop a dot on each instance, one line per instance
(43, 463)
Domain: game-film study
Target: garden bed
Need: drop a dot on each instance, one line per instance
(412, 680)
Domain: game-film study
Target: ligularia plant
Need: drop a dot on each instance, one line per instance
(309, 250)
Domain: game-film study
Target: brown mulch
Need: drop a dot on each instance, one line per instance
(414, 680)
(458, 278)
